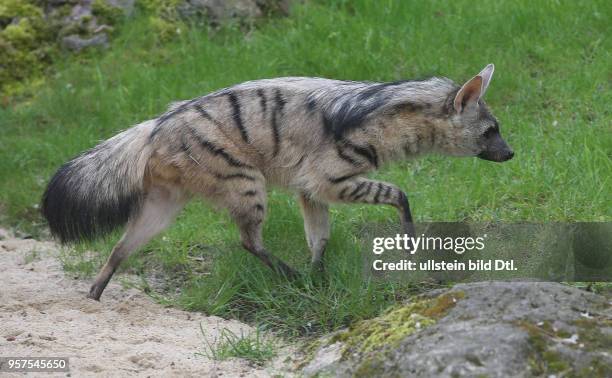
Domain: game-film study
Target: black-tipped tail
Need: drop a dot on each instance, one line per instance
(98, 190)
(75, 212)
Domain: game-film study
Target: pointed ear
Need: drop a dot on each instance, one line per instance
(487, 75)
(474, 89)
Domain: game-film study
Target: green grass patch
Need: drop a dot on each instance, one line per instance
(252, 347)
(551, 93)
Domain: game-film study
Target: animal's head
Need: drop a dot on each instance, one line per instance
(474, 131)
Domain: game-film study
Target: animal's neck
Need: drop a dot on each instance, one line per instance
(408, 134)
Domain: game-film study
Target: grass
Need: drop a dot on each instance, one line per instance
(551, 93)
(252, 347)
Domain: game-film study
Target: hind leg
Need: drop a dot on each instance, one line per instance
(247, 206)
(252, 241)
(158, 211)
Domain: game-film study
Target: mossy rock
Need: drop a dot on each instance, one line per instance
(366, 340)
(24, 43)
(29, 36)
(396, 323)
(496, 329)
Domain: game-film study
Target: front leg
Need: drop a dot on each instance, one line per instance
(406, 215)
(316, 226)
(362, 190)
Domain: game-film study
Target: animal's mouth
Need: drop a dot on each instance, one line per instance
(498, 157)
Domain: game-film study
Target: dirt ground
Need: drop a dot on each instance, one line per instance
(44, 313)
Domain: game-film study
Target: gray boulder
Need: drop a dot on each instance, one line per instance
(77, 43)
(495, 329)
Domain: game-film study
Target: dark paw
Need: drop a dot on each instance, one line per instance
(94, 293)
(408, 229)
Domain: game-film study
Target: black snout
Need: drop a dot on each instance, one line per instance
(496, 150)
(498, 157)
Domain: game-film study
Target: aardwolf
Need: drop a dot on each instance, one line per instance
(314, 136)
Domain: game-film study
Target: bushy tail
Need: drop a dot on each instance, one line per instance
(100, 189)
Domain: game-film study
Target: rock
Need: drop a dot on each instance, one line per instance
(80, 11)
(457, 351)
(219, 10)
(497, 329)
(326, 357)
(76, 43)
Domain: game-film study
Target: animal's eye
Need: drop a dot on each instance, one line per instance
(491, 131)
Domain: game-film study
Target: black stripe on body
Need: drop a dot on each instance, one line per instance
(221, 176)
(263, 102)
(278, 112)
(346, 157)
(233, 176)
(336, 180)
(357, 189)
(174, 112)
(364, 193)
(218, 151)
(387, 192)
(237, 116)
(250, 193)
(156, 130)
(432, 135)
(204, 114)
(167, 116)
(369, 152)
(300, 162)
(377, 195)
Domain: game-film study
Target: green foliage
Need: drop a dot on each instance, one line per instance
(106, 14)
(252, 347)
(163, 18)
(18, 8)
(25, 43)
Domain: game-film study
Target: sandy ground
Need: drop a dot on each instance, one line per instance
(45, 313)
